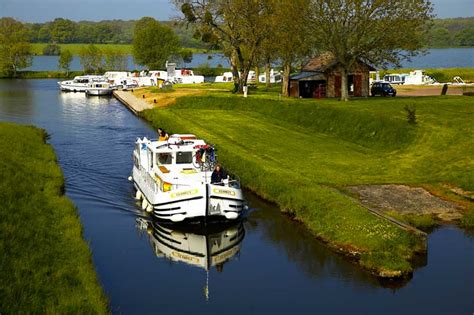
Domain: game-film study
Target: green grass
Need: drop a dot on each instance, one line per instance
(125, 48)
(45, 74)
(299, 153)
(46, 267)
(441, 74)
(76, 48)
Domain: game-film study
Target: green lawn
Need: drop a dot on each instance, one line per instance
(125, 48)
(46, 266)
(76, 48)
(300, 153)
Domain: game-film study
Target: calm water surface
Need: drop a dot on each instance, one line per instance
(436, 58)
(268, 265)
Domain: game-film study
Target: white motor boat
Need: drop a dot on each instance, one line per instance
(79, 83)
(99, 88)
(225, 77)
(173, 180)
(275, 77)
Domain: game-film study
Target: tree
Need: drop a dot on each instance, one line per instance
(186, 55)
(65, 59)
(63, 31)
(52, 50)
(465, 37)
(153, 43)
(15, 51)
(237, 25)
(379, 32)
(91, 58)
(290, 37)
(115, 59)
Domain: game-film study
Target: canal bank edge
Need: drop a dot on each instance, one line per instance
(382, 264)
(46, 264)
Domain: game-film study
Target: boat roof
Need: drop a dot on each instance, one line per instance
(176, 142)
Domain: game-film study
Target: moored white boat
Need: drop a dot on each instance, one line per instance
(79, 83)
(173, 180)
(275, 77)
(99, 88)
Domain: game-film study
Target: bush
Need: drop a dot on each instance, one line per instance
(52, 50)
(206, 70)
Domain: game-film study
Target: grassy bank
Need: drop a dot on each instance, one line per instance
(45, 264)
(45, 74)
(37, 48)
(298, 153)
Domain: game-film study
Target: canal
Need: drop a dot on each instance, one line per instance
(269, 264)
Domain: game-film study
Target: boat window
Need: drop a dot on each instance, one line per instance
(184, 157)
(163, 158)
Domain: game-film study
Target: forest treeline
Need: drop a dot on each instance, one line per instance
(64, 31)
(453, 32)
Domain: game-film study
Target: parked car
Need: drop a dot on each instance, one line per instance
(383, 89)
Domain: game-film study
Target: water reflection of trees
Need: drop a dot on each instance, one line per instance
(17, 99)
(310, 254)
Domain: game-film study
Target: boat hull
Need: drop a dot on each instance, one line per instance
(99, 92)
(201, 201)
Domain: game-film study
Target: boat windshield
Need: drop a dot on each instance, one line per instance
(163, 158)
(184, 157)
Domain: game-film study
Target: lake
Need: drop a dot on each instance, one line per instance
(267, 264)
(436, 58)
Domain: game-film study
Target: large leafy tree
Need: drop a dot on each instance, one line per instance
(380, 32)
(15, 51)
(290, 40)
(154, 43)
(63, 31)
(91, 58)
(239, 26)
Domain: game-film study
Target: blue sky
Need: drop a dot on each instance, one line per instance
(95, 10)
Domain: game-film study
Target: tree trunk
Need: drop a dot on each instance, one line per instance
(268, 84)
(243, 79)
(344, 90)
(235, 74)
(285, 87)
(257, 73)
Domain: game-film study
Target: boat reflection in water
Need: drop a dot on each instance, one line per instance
(201, 246)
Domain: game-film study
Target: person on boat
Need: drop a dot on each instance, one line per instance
(218, 175)
(162, 135)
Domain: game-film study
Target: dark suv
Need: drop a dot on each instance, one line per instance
(382, 88)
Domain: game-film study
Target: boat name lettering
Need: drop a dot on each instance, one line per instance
(185, 257)
(224, 191)
(184, 193)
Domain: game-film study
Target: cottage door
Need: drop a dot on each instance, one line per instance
(337, 86)
(357, 85)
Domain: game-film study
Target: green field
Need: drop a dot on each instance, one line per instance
(76, 48)
(46, 266)
(302, 153)
(125, 48)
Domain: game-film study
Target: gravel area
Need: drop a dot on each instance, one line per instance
(406, 200)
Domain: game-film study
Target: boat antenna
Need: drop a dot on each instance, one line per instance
(206, 288)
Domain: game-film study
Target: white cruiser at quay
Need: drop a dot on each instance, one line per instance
(173, 181)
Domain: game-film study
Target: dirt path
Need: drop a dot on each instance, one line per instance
(425, 90)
